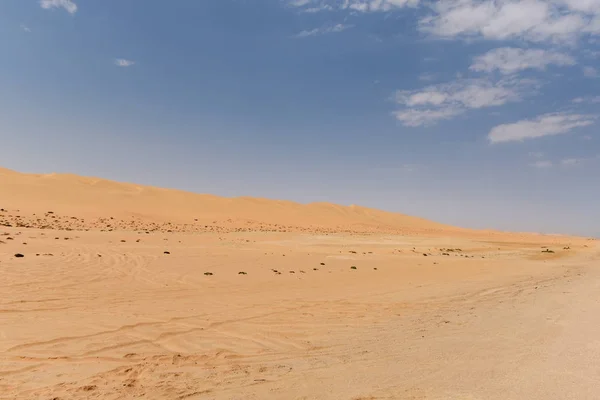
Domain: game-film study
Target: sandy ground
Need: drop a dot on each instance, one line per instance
(114, 302)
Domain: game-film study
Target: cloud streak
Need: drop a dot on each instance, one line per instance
(323, 30)
(444, 101)
(68, 5)
(510, 60)
(544, 125)
(363, 6)
(121, 62)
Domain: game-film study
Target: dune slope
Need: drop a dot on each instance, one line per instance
(93, 197)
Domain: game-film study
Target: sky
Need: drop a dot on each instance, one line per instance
(477, 113)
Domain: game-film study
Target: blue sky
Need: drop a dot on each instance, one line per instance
(477, 113)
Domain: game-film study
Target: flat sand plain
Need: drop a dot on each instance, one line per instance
(127, 292)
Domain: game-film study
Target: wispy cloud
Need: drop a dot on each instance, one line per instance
(437, 102)
(590, 72)
(25, 28)
(571, 162)
(586, 100)
(425, 117)
(121, 62)
(352, 5)
(532, 20)
(427, 77)
(509, 60)
(558, 21)
(564, 163)
(536, 154)
(68, 5)
(544, 125)
(323, 30)
(542, 164)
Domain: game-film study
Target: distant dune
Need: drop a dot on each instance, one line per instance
(94, 197)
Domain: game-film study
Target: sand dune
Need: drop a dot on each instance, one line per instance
(124, 291)
(81, 196)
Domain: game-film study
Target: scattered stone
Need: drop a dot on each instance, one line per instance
(353, 267)
(208, 273)
(242, 273)
(19, 255)
(167, 252)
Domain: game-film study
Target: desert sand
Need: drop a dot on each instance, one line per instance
(120, 291)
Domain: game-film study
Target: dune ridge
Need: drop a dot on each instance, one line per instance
(89, 197)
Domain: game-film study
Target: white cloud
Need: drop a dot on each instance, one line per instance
(587, 53)
(533, 20)
(542, 164)
(508, 60)
(590, 72)
(535, 154)
(300, 3)
(469, 93)
(443, 101)
(324, 30)
(68, 5)
(425, 117)
(588, 100)
(25, 28)
(426, 77)
(121, 62)
(589, 6)
(544, 125)
(570, 162)
(352, 5)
